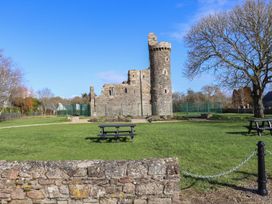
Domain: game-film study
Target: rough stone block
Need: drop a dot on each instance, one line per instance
(97, 171)
(18, 194)
(62, 202)
(97, 191)
(35, 194)
(137, 169)
(64, 190)
(24, 175)
(21, 202)
(56, 174)
(159, 201)
(81, 172)
(140, 201)
(99, 182)
(149, 189)
(125, 201)
(176, 198)
(115, 169)
(157, 168)
(35, 185)
(172, 169)
(126, 180)
(79, 191)
(4, 195)
(171, 187)
(113, 189)
(53, 192)
(129, 188)
(11, 174)
(43, 181)
(38, 172)
(108, 201)
(90, 201)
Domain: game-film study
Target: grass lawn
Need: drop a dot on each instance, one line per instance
(33, 120)
(202, 147)
(220, 116)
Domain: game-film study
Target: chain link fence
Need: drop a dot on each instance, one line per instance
(224, 173)
(9, 116)
(201, 107)
(75, 110)
(269, 152)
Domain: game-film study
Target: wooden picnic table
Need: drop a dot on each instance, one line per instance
(260, 125)
(116, 131)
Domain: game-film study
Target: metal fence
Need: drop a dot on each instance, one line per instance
(9, 116)
(204, 107)
(260, 152)
(75, 110)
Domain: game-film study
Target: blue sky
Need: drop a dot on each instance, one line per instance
(68, 45)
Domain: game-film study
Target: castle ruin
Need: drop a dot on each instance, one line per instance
(146, 92)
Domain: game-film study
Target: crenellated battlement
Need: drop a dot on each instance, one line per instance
(160, 46)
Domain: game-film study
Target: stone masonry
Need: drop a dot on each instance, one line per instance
(146, 92)
(154, 181)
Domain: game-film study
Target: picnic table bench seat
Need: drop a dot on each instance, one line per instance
(115, 131)
(260, 125)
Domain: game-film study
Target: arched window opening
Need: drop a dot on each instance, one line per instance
(126, 90)
(111, 93)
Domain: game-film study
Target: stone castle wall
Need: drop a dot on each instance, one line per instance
(161, 88)
(154, 181)
(129, 98)
(147, 92)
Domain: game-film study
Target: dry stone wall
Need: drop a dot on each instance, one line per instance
(154, 181)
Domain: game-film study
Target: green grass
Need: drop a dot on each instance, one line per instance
(202, 147)
(33, 120)
(220, 116)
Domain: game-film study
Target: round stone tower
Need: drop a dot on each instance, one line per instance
(160, 76)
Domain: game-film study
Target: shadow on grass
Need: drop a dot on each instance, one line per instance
(243, 133)
(235, 187)
(244, 176)
(223, 184)
(240, 133)
(189, 186)
(107, 140)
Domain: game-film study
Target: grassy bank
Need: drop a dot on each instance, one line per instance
(202, 147)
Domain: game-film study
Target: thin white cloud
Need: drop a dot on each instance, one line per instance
(111, 77)
(179, 5)
(180, 31)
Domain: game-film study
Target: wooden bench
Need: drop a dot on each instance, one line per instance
(115, 131)
(260, 125)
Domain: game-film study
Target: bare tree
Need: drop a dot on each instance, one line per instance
(45, 96)
(242, 97)
(10, 78)
(213, 93)
(178, 98)
(237, 46)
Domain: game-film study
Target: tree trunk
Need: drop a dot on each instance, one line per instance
(258, 102)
